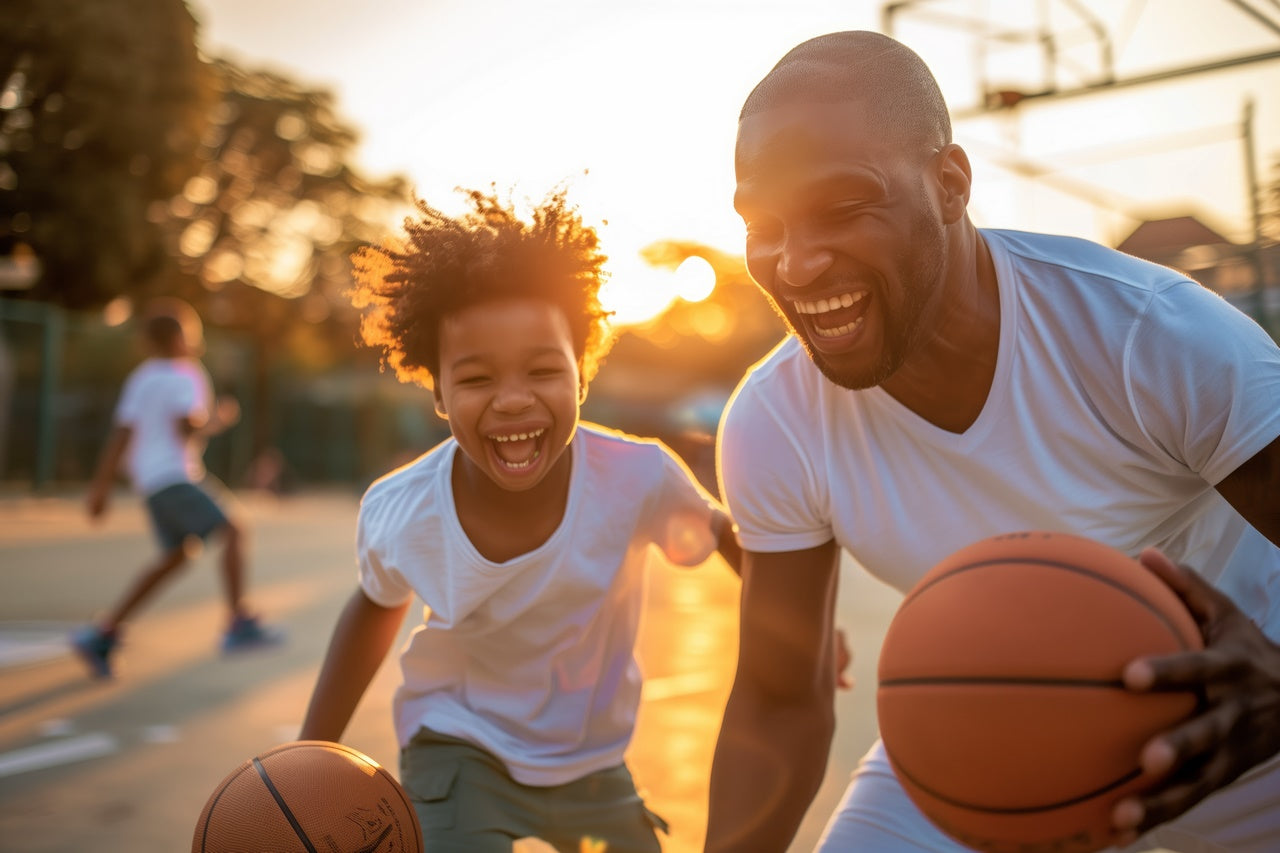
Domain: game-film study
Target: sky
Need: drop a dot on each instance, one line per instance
(632, 104)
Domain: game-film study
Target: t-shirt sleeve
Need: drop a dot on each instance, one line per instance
(681, 524)
(1204, 380)
(381, 582)
(172, 393)
(768, 481)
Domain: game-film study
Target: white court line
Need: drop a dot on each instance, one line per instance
(58, 752)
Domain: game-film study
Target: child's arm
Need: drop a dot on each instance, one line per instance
(226, 414)
(105, 475)
(364, 633)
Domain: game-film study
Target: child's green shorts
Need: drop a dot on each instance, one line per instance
(468, 803)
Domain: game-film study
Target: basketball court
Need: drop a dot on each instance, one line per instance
(127, 765)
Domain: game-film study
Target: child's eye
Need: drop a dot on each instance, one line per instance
(478, 379)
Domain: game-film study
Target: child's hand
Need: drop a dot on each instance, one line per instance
(226, 411)
(844, 657)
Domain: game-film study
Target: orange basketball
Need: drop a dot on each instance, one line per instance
(308, 796)
(1000, 698)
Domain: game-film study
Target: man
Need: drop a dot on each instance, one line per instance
(942, 384)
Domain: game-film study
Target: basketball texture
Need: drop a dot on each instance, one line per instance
(1000, 698)
(308, 797)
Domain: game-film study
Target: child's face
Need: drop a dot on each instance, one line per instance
(508, 383)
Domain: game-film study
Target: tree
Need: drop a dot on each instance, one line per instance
(100, 112)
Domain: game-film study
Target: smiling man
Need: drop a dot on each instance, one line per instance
(944, 383)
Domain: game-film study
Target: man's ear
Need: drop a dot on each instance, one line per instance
(955, 180)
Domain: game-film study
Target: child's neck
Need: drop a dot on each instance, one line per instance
(504, 524)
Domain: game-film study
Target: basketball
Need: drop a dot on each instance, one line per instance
(308, 796)
(1000, 697)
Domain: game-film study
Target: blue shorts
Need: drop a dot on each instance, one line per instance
(181, 511)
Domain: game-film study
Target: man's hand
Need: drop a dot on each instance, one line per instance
(1237, 724)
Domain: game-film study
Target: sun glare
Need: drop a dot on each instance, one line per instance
(637, 293)
(695, 278)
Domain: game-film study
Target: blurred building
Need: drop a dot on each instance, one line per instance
(1247, 275)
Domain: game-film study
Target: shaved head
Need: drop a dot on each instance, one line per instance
(890, 79)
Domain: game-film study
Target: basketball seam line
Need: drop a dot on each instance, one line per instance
(1173, 629)
(1014, 810)
(284, 807)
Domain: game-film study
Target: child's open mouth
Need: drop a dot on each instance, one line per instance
(519, 450)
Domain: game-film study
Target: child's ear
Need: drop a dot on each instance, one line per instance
(439, 403)
(582, 390)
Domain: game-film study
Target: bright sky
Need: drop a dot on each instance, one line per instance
(643, 96)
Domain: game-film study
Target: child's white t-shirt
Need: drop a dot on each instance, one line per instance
(156, 394)
(532, 659)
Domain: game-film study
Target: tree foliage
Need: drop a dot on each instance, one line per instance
(101, 107)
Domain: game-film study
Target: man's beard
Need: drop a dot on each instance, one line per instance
(920, 269)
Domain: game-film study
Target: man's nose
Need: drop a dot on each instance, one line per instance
(801, 259)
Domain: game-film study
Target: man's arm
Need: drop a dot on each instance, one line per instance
(364, 633)
(780, 717)
(1238, 674)
(104, 476)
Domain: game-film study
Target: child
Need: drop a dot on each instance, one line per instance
(525, 535)
(163, 419)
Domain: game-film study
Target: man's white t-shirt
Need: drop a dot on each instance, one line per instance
(156, 395)
(532, 659)
(1123, 392)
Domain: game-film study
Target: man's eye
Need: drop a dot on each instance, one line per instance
(843, 212)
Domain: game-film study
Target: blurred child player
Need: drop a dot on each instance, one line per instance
(165, 415)
(525, 535)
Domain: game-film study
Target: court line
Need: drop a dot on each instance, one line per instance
(59, 752)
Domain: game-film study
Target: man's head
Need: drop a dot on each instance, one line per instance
(848, 183)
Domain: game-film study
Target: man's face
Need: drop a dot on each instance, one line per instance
(842, 235)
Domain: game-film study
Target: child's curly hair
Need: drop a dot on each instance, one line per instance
(443, 264)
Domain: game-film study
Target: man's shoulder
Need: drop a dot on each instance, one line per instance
(1078, 258)
(786, 375)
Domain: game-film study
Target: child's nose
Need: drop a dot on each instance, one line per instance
(513, 396)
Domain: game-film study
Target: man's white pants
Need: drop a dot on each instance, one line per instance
(876, 816)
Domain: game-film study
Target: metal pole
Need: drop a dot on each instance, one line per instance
(46, 414)
(1255, 217)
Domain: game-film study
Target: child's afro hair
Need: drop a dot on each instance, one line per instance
(444, 263)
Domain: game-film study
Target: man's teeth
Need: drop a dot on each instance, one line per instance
(519, 436)
(838, 330)
(822, 306)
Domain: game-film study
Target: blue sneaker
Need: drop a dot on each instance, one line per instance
(247, 633)
(95, 648)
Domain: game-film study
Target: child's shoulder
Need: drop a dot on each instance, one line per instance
(609, 448)
(411, 483)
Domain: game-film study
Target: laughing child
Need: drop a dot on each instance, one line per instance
(525, 535)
